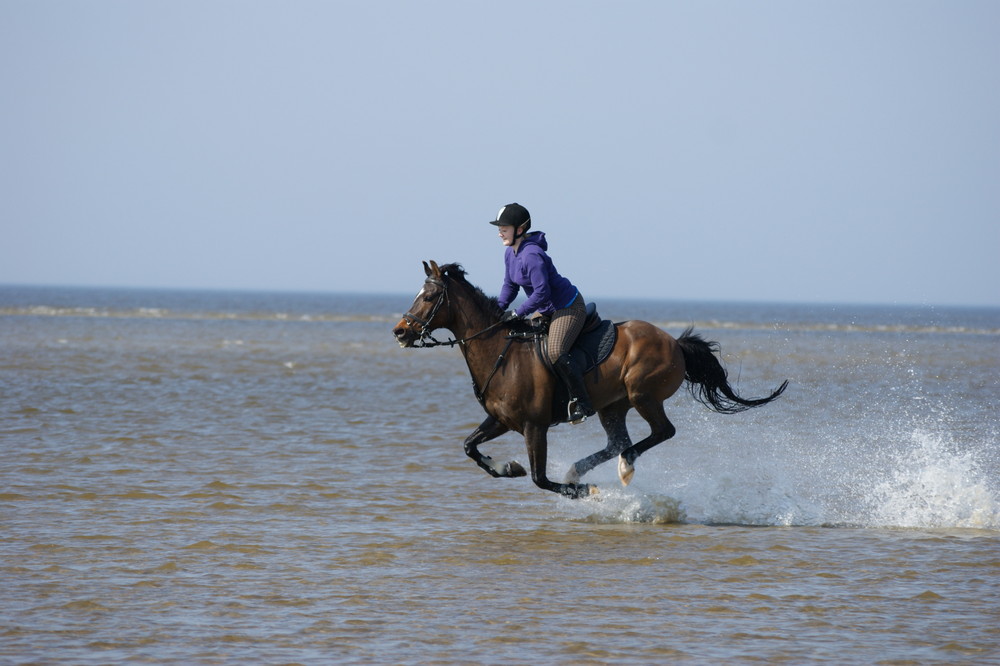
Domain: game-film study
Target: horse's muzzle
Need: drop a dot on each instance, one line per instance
(405, 335)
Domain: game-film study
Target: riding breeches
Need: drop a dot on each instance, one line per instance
(565, 327)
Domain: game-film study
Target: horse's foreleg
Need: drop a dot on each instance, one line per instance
(661, 429)
(536, 439)
(613, 420)
(487, 430)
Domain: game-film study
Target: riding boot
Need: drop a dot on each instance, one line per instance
(579, 407)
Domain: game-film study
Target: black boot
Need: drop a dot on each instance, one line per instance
(579, 407)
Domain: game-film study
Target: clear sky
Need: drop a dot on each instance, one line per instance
(793, 150)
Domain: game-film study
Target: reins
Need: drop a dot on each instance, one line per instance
(481, 394)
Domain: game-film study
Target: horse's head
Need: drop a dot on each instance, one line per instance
(426, 314)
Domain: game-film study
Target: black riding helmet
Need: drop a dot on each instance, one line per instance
(515, 215)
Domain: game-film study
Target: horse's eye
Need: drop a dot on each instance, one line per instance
(428, 299)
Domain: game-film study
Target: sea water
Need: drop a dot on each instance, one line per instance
(224, 477)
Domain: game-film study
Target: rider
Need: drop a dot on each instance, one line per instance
(549, 293)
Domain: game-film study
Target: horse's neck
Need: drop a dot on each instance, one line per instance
(483, 338)
(470, 322)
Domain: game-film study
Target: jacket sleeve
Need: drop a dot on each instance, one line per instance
(509, 290)
(538, 273)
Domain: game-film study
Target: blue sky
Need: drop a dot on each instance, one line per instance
(752, 151)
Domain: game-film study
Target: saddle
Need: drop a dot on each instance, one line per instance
(591, 348)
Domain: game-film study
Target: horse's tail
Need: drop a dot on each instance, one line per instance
(709, 381)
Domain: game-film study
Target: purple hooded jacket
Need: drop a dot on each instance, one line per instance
(530, 267)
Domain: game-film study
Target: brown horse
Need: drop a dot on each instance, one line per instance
(646, 366)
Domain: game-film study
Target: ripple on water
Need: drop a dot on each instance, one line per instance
(262, 490)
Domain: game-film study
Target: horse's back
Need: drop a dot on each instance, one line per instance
(642, 331)
(649, 357)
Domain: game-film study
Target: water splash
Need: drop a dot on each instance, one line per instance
(615, 505)
(919, 480)
(932, 484)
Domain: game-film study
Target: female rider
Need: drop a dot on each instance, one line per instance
(549, 293)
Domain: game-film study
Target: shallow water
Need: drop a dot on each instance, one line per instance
(266, 478)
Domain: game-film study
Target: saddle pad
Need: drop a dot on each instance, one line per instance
(591, 348)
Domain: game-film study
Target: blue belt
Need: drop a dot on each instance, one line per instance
(575, 294)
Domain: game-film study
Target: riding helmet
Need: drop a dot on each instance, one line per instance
(513, 214)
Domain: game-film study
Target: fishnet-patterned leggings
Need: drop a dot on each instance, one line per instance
(565, 327)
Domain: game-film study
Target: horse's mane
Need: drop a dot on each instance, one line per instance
(487, 304)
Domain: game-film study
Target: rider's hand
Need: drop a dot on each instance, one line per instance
(511, 316)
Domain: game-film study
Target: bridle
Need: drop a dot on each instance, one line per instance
(428, 340)
(425, 334)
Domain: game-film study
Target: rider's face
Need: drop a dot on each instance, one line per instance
(507, 234)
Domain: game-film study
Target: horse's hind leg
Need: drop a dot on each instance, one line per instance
(613, 419)
(487, 430)
(661, 429)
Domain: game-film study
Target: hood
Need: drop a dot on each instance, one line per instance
(535, 238)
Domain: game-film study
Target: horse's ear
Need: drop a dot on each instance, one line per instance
(427, 269)
(435, 269)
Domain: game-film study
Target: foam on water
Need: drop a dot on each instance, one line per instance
(933, 484)
(925, 482)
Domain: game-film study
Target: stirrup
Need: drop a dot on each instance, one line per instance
(570, 409)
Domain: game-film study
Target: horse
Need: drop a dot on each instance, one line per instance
(645, 367)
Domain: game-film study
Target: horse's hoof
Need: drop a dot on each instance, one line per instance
(514, 469)
(625, 471)
(572, 476)
(581, 491)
